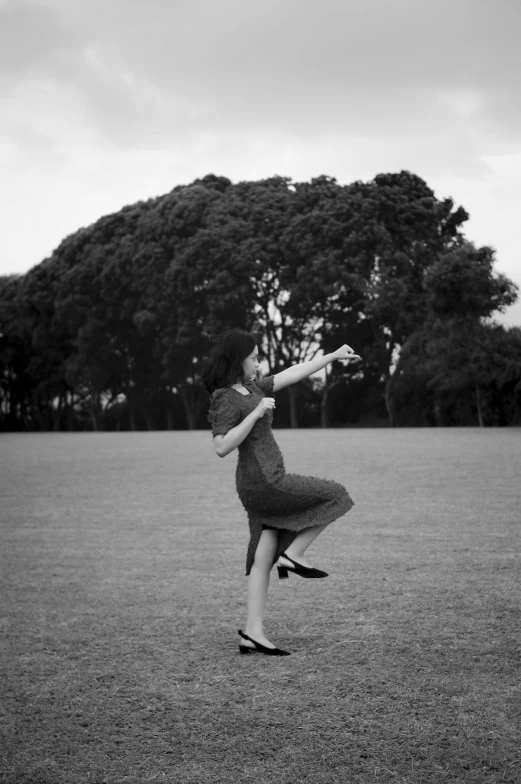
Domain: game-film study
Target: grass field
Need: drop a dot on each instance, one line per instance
(123, 585)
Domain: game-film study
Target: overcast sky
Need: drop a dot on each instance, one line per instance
(105, 102)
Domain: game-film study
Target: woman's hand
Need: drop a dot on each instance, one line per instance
(265, 404)
(345, 354)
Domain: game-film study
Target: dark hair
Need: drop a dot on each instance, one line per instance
(224, 364)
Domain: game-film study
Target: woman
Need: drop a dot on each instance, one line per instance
(286, 512)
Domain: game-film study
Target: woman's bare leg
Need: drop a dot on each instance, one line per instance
(258, 582)
(302, 541)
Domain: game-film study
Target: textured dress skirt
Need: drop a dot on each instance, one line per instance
(271, 497)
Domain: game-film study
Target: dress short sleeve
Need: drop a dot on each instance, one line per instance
(224, 413)
(266, 385)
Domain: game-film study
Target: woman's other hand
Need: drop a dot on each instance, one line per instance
(265, 404)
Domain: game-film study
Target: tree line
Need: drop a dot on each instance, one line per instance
(110, 332)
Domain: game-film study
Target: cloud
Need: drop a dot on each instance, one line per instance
(30, 40)
(157, 70)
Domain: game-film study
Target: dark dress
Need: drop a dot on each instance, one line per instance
(271, 497)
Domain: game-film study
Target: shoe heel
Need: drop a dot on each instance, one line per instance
(244, 650)
(283, 572)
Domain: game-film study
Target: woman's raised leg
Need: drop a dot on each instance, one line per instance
(258, 582)
(301, 543)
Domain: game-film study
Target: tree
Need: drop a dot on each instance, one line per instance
(414, 229)
(357, 256)
(463, 283)
(15, 355)
(128, 307)
(455, 350)
(458, 359)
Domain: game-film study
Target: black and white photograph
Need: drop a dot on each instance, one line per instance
(260, 392)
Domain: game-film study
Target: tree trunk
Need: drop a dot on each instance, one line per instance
(39, 418)
(169, 417)
(148, 419)
(56, 425)
(95, 413)
(438, 415)
(292, 391)
(32, 415)
(324, 413)
(187, 396)
(390, 404)
(70, 411)
(479, 407)
(5, 407)
(42, 417)
(131, 405)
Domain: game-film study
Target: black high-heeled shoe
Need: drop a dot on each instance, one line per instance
(259, 647)
(303, 571)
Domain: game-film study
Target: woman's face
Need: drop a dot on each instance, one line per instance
(250, 365)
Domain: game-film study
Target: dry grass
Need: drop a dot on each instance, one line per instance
(123, 586)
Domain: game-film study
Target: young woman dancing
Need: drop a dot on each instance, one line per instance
(286, 512)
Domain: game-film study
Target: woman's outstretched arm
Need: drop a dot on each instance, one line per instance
(304, 369)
